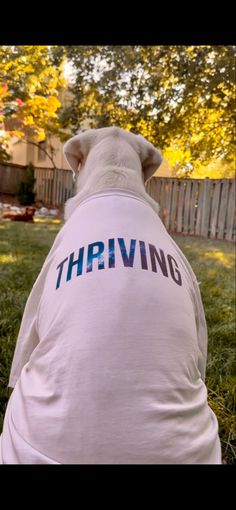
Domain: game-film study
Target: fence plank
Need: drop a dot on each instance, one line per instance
(230, 219)
(223, 209)
(155, 189)
(215, 208)
(65, 187)
(148, 186)
(174, 205)
(54, 188)
(199, 208)
(58, 189)
(46, 184)
(206, 207)
(180, 206)
(168, 197)
(193, 207)
(152, 189)
(187, 207)
(153, 186)
(161, 198)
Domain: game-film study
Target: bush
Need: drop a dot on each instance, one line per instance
(25, 193)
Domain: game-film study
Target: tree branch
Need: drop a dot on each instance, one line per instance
(42, 149)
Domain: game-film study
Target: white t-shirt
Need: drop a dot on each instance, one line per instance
(110, 360)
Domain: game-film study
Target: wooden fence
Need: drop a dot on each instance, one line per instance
(53, 187)
(10, 177)
(203, 207)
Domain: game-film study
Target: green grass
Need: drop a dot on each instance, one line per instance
(23, 248)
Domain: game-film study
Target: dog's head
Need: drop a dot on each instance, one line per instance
(30, 210)
(78, 149)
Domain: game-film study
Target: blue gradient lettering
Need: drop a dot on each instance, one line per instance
(92, 256)
(128, 260)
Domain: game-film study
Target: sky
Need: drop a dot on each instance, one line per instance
(68, 71)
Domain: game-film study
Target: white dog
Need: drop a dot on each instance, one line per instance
(110, 360)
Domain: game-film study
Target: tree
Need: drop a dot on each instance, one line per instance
(180, 97)
(30, 79)
(25, 193)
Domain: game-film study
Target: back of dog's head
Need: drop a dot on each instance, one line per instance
(103, 140)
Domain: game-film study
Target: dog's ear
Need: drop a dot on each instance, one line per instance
(73, 153)
(77, 148)
(151, 163)
(151, 157)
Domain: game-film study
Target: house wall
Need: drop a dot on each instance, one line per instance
(18, 152)
(23, 154)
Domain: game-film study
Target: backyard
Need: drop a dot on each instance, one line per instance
(23, 248)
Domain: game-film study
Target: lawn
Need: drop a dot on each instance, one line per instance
(23, 248)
